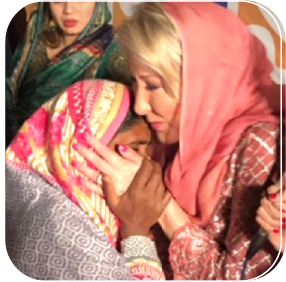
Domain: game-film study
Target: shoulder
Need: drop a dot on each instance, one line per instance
(51, 230)
(114, 65)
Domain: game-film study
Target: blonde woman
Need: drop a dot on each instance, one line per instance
(198, 75)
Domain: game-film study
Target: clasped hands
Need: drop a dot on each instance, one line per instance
(132, 185)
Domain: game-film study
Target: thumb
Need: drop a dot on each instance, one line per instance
(112, 198)
(129, 154)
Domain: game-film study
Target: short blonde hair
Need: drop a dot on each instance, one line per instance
(150, 38)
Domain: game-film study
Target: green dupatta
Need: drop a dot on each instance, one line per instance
(84, 59)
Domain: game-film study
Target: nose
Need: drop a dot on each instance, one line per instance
(142, 105)
(68, 7)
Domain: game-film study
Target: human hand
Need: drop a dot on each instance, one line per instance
(269, 215)
(173, 218)
(120, 169)
(142, 204)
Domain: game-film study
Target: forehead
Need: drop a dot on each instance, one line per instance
(138, 132)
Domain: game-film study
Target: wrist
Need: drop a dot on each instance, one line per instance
(127, 231)
(172, 219)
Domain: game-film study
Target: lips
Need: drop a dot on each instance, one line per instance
(70, 23)
(156, 125)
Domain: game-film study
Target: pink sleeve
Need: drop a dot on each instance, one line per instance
(198, 254)
(194, 255)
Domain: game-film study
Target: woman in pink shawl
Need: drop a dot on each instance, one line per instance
(198, 75)
(55, 228)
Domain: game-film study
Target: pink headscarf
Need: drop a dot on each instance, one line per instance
(224, 69)
(44, 143)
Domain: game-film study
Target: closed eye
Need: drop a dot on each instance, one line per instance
(135, 146)
(152, 87)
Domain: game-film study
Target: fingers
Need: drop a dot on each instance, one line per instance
(142, 176)
(86, 171)
(108, 155)
(268, 228)
(274, 193)
(266, 207)
(156, 188)
(273, 189)
(283, 195)
(275, 240)
(94, 159)
(274, 196)
(129, 154)
(112, 198)
(270, 218)
(90, 186)
(155, 180)
(275, 200)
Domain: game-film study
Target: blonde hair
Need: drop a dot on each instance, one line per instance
(148, 37)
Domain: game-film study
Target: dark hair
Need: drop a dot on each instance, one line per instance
(131, 117)
(51, 36)
(130, 120)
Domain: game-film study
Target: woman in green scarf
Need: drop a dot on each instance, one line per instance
(65, 42)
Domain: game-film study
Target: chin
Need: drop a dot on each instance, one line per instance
(71, 31)
(164, 138)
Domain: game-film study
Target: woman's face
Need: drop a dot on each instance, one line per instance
(152, 101)
(72, 17)
(138, 137)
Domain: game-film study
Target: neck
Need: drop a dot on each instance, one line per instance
(172, 150)
(164, 153)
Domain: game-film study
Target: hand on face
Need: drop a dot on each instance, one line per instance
(121, 170)
(142, 204)
(269, 215)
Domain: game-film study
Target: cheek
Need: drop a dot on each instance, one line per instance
(158, 105)
(144, 151)
(56, 14)
(86, 14)
(83, 23)
(149, 150)
(177, 114)
(165, 109)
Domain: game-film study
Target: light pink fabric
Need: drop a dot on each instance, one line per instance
(224, 68)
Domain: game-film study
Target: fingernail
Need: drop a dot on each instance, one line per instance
(74, 163)
(76, 147)
(272, 196)
(276, 230)
(122, 148)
